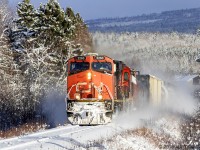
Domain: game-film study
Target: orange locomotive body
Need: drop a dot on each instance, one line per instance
(96, 87)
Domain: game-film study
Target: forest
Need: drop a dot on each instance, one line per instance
(35, 44)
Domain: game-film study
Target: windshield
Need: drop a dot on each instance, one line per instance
(102, 67)
(76, 67)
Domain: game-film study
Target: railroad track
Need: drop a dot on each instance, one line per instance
(47, 136)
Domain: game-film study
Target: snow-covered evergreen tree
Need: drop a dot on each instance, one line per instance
(22, 28)
(81, 36)
(26, 13)
(54, 27)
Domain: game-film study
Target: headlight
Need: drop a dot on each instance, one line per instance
(89, 75)
(100, 97)
(77, 96)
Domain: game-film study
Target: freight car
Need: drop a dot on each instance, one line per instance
(151, 89)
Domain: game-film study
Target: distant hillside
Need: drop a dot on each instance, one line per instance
(184, 21)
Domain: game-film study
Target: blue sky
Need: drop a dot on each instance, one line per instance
(93, 9)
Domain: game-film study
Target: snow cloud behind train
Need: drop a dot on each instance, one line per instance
(90, 9)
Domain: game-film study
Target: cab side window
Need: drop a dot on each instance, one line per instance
(126, 78)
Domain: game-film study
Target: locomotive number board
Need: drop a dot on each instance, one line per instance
(80, 58)
(99, 57)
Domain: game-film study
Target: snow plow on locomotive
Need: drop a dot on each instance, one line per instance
(98, 86)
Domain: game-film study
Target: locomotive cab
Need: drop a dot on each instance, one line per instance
(90, 89)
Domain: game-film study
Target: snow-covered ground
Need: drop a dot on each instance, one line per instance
(64, 137)
(58, 138)
(129, 130)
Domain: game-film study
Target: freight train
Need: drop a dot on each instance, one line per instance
(98, 86)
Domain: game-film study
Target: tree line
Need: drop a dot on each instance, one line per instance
(181, 21)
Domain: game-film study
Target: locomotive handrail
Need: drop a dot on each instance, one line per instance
(70, 90)
(110, 95)
(108, 91)
(100, 90)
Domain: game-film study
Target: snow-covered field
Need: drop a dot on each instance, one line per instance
(123, 23)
